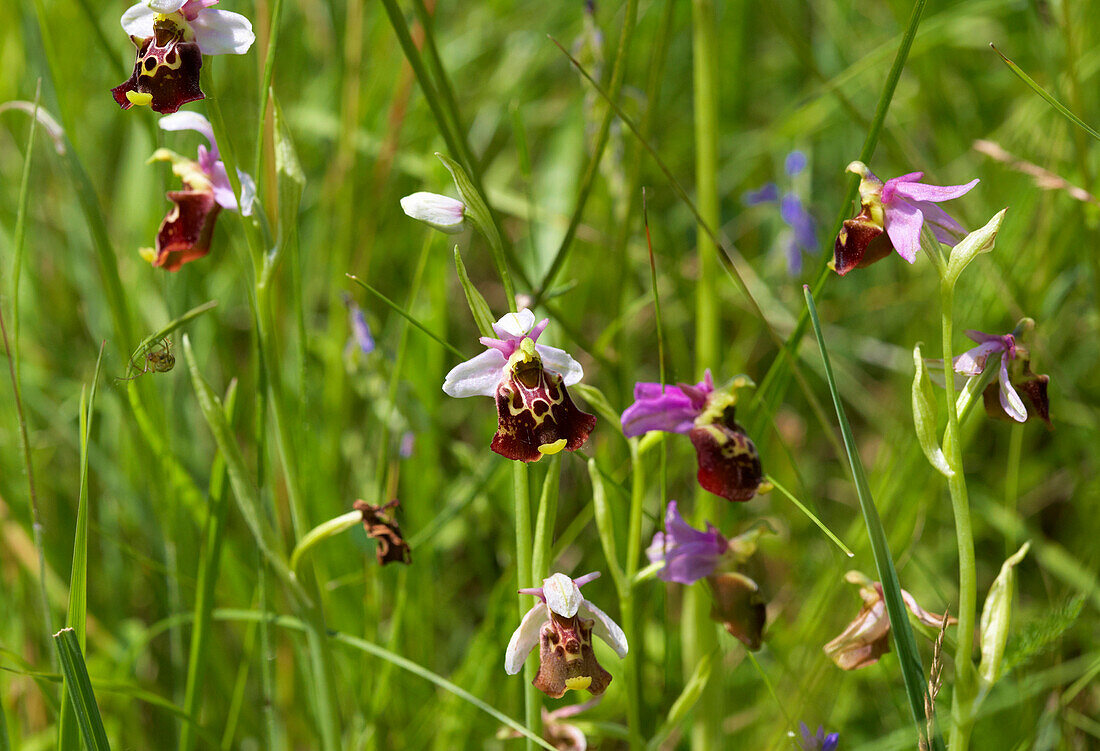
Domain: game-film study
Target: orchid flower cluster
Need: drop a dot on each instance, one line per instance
(170, 37)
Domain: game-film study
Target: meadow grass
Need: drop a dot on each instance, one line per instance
(166, 519)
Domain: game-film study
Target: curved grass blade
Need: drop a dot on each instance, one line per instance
(395, 659)
(79, 688)
(1060, 108)
(171, 326)
(912, 671)
(821, 525)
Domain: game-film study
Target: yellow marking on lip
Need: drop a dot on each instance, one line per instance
(147, 254)
(139, 99)
(549, 449)
(578, 684)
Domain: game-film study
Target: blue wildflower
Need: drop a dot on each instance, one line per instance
(818, 741)
(803, 236)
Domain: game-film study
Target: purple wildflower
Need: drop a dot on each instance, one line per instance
(671, 409)
(818, 741)
(891, 217)
(688, 554)
(803, 237)
(360, 337)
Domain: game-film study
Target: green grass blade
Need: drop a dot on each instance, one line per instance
(248, 498)
(687, 699)
(395, 659)
(912, 670)
(77, 615)
(171, 326)
(209, 566)
(79, 689)
(5, 741)
(1060, 108)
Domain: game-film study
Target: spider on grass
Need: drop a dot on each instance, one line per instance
(158, 359)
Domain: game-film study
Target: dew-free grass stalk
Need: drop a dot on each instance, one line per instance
(521, 491)
(699, 637)
(632, 664)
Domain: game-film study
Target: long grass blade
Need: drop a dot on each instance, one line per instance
(1060, 108)
(79, 688)
(404, 314)
(77, 615)
(912, 670)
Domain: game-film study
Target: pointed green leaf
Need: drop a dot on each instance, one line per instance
(996, 616)
(483, 316)
(79, 689)
(606, 526)
(1058, 106)
(912, 670)
(687, 699)
(924, 417)
(977, 242)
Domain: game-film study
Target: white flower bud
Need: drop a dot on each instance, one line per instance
(443, 213)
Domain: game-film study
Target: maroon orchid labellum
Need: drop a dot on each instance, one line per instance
(535, 415)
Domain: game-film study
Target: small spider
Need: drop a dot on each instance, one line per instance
(158, 359)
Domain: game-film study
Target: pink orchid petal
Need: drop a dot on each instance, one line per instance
(924, 192)
(1010, 400)
(903, 223)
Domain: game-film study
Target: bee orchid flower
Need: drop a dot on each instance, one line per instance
(187, 229)
(561, 624)
(867, 638)
(535, 415)
(171, 36)
(1014, 375)
(891, 216)
(729, 465)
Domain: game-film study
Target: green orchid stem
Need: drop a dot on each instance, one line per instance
(962, 704)
(532, 715)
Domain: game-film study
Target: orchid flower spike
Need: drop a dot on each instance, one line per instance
(562, 624)
(891, 217)
(444, 214)
(535, 415)
(729, 465)
(802, 235)
(1014, 375)
(867, 638)
(187, 229)
(171, 36)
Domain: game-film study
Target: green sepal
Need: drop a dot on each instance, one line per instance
(977, 242)
(924, 417)
(996, 616)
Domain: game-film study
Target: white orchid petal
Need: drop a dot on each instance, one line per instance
(1010, 400)
(479, 376)
(524, 638)
(187, 120)
(562, 594)
(222, 32)
(515, 324)
(165, 6)
(248, 192)
(605, 628)
(137, 21)
(560, 361)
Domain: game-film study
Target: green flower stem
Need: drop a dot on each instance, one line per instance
(962, 704)
(699, 638)
(632, 665)
(520, 478)
(322, 532)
